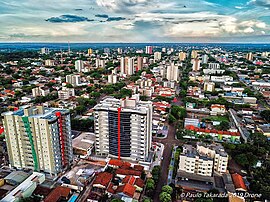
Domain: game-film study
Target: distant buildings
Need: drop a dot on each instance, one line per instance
(172, 72)
(90, 51)
(40, 91)
(74, 80)
(123, 128)
(205, 59)
(196, 64)
(127, 66)
(79, 65)
(249, 56)
(66, 93)
(112, 78)
(157, 56)
(194, 54)
(39, 139)
(149, 50)
(45, 50)
(209, 86)
(182, 56)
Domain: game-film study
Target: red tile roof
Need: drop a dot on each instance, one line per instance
(220, 132)
(57, 193)
(127, 189)
(138, 167)
(115, 162)
(139, 182)
(238, 182)
(103, 178)
(121, 171)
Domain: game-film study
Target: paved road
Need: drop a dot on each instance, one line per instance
(169, 142)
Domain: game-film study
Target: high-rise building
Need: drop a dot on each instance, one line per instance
(100, 63)
(45, 50)
(120, 50)
(194, 54)
(157, 56)
(39, 138)
(123, 128)
(90, 51)
(182, 56)
(66, 93)
(196, 64)
(49, 63)
(79, 65)
(75, 80)
(139, 63)
(205, 59)
(40, 91)
(249, 56)
(149, 50)
(172, 72)
(127, 66)
(112, 78)
(163, 50)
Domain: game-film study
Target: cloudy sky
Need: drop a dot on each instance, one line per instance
(135, 20)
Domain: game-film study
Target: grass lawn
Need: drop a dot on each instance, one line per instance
(216, 118)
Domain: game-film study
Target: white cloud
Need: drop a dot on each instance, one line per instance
(125, 26)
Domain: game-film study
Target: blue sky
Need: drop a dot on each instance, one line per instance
(135, 20)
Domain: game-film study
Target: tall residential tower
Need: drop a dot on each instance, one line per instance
(123, 128)
(39, 138)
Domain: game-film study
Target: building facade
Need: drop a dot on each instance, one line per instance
(39, 138)
(123, 128)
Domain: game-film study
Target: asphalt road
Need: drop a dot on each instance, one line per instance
(169, 142)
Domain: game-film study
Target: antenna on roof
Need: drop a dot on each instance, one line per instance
(68, 48)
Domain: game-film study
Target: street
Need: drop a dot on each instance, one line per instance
(169, 142)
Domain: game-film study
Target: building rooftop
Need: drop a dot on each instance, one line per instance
(58, 193)
(84, 141)
(36, 112)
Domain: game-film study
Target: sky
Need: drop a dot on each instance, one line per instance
(135, 21)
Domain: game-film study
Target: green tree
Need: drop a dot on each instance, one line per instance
(165, 197)
(171, 119)
(150, 184)
(266, 115)
(168, 189)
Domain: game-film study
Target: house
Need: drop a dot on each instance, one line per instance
(217, 109)
(238, 182)
(102, 180)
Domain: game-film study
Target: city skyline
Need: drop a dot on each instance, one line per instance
(135, 21)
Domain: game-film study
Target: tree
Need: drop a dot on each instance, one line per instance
(266, 115)
(165, 197)
(171, 119)
(156, 173)
(150, 184)
(117, 200)
(69, 85)
(167, 189)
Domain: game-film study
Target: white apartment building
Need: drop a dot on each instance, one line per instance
(40, 91)
(127, 66)
(221, 79)
(39, 138)
(191, 161)
(216, 152)
(172, 72)
(157, 56)
(75, 80)
(214, 66)
(66, 93)
(112, 78)
(203, 160)
(123, 128)
(79, 65)
(205, 59)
